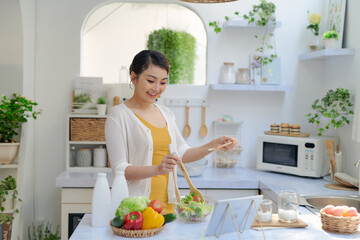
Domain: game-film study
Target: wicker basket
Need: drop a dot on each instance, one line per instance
(339, 224)
(136, 233)
(87, 129)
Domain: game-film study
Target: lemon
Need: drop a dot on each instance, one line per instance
(314, 18)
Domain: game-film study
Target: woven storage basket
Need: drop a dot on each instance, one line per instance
(339, 224)
(136, 233)
(87, 129)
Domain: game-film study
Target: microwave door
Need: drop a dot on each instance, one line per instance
(280, 154)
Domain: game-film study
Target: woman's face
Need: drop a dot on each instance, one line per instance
(150, 84)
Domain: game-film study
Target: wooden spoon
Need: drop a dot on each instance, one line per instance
(187, 129)
(193, 189)
(203, 128)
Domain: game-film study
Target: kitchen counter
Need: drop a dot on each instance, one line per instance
(268, 183)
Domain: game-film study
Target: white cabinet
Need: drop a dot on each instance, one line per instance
(84, 132)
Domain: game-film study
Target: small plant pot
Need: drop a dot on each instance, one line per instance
(8, 152)
(101, 109)
(330, 43)
(8, 204)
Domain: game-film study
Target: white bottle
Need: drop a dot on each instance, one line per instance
(119, 191)
(101, 202)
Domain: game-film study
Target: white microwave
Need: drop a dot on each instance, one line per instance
(302, 156)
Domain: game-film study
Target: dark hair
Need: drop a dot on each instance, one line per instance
(143, 59)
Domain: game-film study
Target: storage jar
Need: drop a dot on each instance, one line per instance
(242, 76)
(83, 157)
(227, 74)
(100, 157)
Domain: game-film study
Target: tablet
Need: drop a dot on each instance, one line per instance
(241, 208)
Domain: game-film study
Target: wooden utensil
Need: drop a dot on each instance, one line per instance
(193, 189)
(218, 147)
(187, 129)
(329, 144)
(177, 193)
(203, 128)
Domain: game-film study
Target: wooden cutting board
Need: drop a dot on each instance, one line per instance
(301, 134)
(276, 223)
(337, 186)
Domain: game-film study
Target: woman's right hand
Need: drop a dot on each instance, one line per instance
(168, 163)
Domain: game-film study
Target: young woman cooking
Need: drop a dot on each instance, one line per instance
(138, 133)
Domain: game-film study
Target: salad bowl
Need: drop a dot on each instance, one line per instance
(191, 209)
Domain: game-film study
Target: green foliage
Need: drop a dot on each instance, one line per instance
(179, 49)
(13, 112)
(6, 185)
(260, 14)
(83, 97)
(336, 106)
(41, 232)
(101, 100)
(330, 34)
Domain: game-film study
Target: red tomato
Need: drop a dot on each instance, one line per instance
(195, 199)
(156, 205)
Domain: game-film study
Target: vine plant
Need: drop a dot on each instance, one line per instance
(261, 14)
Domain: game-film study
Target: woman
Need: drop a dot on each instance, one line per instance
(138, 134)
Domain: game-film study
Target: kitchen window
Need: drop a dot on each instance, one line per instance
(113, 33)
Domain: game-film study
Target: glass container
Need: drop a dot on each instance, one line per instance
(288, 206)
(227, 74)
(227, 159)
(264, 211)
(242, 76)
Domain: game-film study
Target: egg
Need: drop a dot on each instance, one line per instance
(338, 211)
(351, 212)
(328, 209)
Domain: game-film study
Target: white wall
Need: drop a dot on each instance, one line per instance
(58, 27)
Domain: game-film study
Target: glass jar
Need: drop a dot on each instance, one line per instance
(264, 213)
(242, 76)
(227, 159)
(227, 74)
(288, 206)
(83, 157)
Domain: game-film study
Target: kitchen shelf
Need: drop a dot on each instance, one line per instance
(9, 166)
(238, 23)
(327, 54)
(87, 142)
(246, 87)
(90, 169)
(87, 116)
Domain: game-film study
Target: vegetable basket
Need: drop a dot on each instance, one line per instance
(339, 224)
(136, 233)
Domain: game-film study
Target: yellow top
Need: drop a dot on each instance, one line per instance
(159, 184)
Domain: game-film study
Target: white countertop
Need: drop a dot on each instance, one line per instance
(234, 178)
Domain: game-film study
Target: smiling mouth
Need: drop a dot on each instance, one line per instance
(152, 94)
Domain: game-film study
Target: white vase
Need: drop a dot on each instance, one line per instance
(8, 204)
(8, 152)
(101, 109)
(330, 43)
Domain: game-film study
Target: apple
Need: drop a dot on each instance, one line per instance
(351, 212)
(338, 211)
(329, 209)
(156, 205)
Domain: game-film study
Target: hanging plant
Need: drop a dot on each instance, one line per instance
(335, 107)
(262, 14)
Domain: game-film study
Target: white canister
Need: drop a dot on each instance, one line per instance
(227, 74)
(100, 157)
(83, 157)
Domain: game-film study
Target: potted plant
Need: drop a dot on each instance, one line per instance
(8, 195)
(262, 15)
(101, 106)
(330, 39)
(314, 19)
(13, 112)
(332, 110)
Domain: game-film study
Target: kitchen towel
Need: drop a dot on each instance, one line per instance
(356, 123)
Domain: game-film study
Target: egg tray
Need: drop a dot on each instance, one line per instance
(336, 224)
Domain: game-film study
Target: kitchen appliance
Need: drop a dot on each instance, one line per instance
(302, 156)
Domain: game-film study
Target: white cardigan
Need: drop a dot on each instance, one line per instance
(129, 142)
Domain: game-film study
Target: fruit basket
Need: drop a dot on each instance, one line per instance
(339, 224)
(136, 233)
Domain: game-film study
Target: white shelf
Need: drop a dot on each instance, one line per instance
(86, 116)
(327, 54)
(86, 142)
(246, 87)
(9, 166)
(238, 23)
(90, 169)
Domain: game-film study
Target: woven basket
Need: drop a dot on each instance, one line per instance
(339, 224)
(87, 129)
(136, 233)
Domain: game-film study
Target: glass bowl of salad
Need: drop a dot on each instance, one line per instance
(191, 209)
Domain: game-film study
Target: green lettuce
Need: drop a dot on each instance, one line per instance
(131, 204)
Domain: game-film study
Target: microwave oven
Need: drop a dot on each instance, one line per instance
(301, 156)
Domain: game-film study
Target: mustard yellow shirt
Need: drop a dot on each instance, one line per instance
(159, 184)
